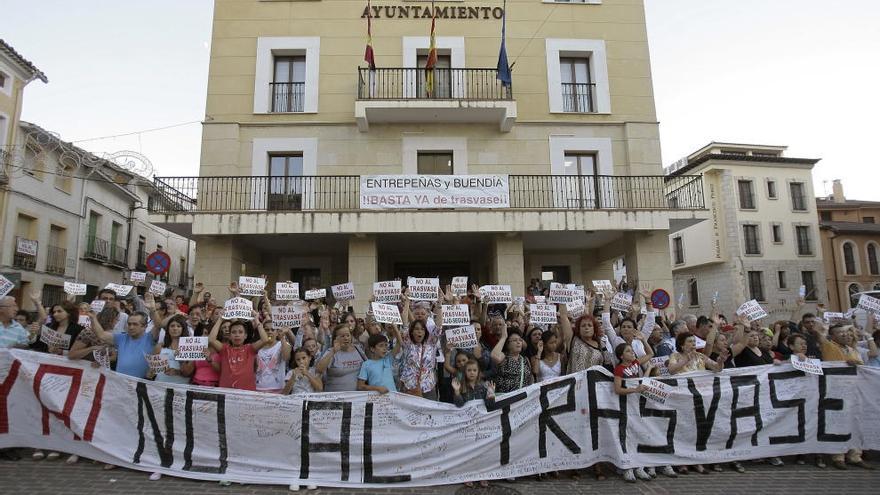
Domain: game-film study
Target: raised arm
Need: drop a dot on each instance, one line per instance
(215, 330)
(325, 361)
(198, 295)
(37, 299)
(395, 333)
(264, 338)
(498, 350)
(565, 330)
(739, 340)
(105, 336)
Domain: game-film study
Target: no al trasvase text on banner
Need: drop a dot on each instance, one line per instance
(362, 439)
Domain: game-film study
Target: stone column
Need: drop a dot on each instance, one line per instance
(508, 264)
(218, 262)
(363, 269)
(647, 259)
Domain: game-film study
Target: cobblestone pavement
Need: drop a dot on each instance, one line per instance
(54, 477)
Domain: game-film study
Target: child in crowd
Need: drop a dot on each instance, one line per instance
(272, 361)
(471, 387)
(236, 359)
(377, 373)
(177, 371)
(302, 378)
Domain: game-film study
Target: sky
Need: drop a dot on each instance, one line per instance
(801, 73)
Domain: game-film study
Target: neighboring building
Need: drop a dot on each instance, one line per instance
(72, 216)
(762, 240)
(294, 121)
(851, 243)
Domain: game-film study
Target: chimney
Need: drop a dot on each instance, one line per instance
(837, 192)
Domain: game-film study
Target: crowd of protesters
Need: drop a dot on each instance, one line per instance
(335, 350)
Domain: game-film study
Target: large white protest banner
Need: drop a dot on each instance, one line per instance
(387, 291)
(496, 294)
(569, 422)
(387, 192)
(191, 348)
(74, 289)
(622, 302)
(456, 315)
(6, 285)
(386, 313)
(343, 292)
(462, 337)
(542, 314)
(423, 289)
(238, 307)
(289, 316)
(286, 291)
(315, 294)
(869, 303)
(459, 286)
(752, 310)
(251, 286)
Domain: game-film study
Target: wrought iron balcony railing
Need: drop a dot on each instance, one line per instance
(578, 97)
(448, 84)
(56, 260)
(287, 97)
(341, 193)
(97, 249)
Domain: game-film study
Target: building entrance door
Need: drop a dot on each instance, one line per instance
(443, 270)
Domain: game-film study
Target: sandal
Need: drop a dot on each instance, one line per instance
(53, 456)
(484, 484)
(469, 484)
(700, 469)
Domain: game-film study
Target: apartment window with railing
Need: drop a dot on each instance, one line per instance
(96, 247)
(804, 244)
(141, 263)
(678, 250)
(808, 280)
(25, 245)
(849, 258)
(751, 240)
(867, 219)
(56, 259)
(746, 195)
(117, 250)
(288, 86)
(285, 182)
(756, 286)
(184, 275)
(873, 269)
(798, 201)
(577, 87)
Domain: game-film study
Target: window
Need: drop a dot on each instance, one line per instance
(577, 89)
(4, 79)
(693, 293)
(808, 280)
(56, 251)
(678, 250)
(872, 259)
(442, 77)
(849, 258)
(64, 176)
(776, 233)
(804, 246)
(750, 238)
(560, 273)
(867, 219)
(746, 195)
(117, 251)
(288, 84)
(756, 286)
(141, 263)
(825, 216)
(580, 192)
(285, 182)
(798, 201)
(435, 163)
(771, 189)
(853, 290)
(781, 280)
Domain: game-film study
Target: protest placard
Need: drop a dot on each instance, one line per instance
(459, 286)
(662, 364)
(751, 310)
(238, 307)
(98, 305)
(622, 302)
(158, 287)
(575, 309)
(496, 294)
(191, 348)
(120, 289)
(606, 320)
(286, 291)
(648, 324)
(387, 291)
(26, 246)
(84, 321)
(157, 362)
(6, 285)
(656, 391)
(289, 316)
(539, 299)
(811, 366)
(315, 294)
(832, 317)
(423, 289)
(462, 337)
(343, 292)
(542, 314)
(386, 313)
(562, 294)
(74, 289)
(138, 276)
(251, 286)
(54, 339)
(456, 315)
(869, 303)
(602, 285)
(102, 357)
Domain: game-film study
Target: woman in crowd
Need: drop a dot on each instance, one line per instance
(177, 371)
(513, 371)
(532, 338)
(272, 361)
(548, 362)
(341, 362)
(746, 347)
(418, 371)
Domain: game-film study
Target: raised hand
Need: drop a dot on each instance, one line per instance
(456, 386)
(233, 289)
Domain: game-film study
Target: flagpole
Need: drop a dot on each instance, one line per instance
(432, 55)
(502, 72)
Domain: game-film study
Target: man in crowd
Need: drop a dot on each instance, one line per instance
(109, 297)
(12, 336)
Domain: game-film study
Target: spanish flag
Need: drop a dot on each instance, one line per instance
(432, 55)
(369, 56)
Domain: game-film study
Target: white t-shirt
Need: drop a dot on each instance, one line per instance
(271, 368)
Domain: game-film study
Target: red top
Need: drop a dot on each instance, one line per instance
(237, 367)
(633, 370)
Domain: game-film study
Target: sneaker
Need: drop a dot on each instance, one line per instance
(72, 459)
(53, 456)
(668, 471)
(629, 476)
(155, 476)
(739, 467)
(717, 468)
(820, 462)
(293, 488)
(311, 487)
(651, 472)
(225, 483)
(641, 474)
(775, 461)
(38, 455)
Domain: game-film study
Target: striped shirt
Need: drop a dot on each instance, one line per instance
(12, 335)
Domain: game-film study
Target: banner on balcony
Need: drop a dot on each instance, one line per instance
(389, 192)
(359, 439)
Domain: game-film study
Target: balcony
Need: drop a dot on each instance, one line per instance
(141, 263)
(287, 97)
(118, 256)
(97, 249)
(401, 95)
(56, 260)
(23, 258)
(578, 97)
